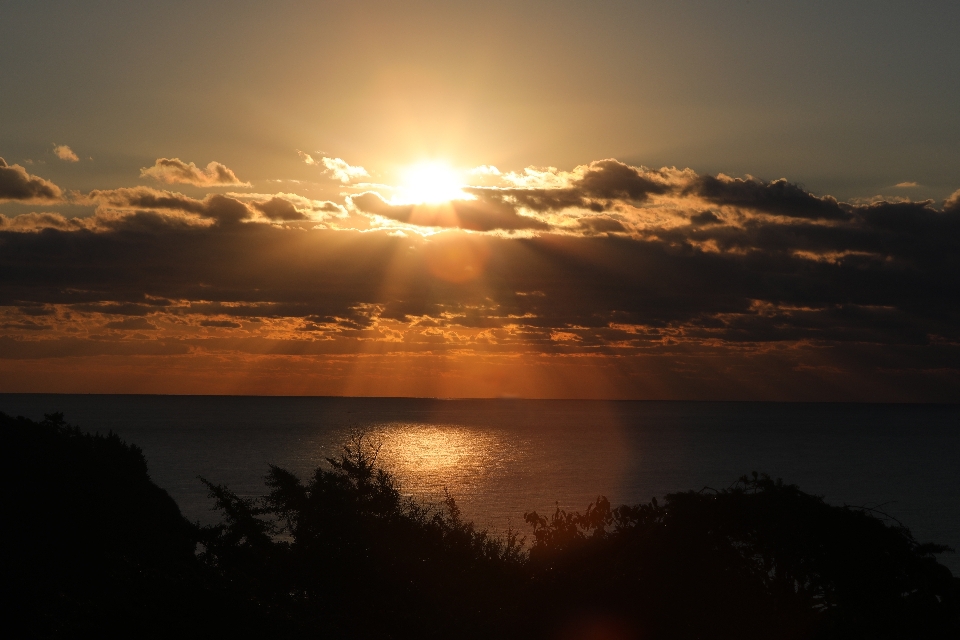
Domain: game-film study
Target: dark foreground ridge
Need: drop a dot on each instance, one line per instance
(95, 549)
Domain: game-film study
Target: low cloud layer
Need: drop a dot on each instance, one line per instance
(176, 171)
(114, 205)
(708, 286)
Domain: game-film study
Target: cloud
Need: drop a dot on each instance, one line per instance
(222, 324)
(779, 197)
(337, 168)
(31, 222)
(602, 224)
(306, 157)
(952, 204)
(330, 207)
(907, 185)
(219, 208)
(595, 187)
(131, 324)
(484, 170)
(147, 206)
(65, 153)
(279, 209)
(475, 215)
(289, 206)
(542, 178)
(342, 171)
(175, 171)
(17, 184)
(705, 218)
(711, 276)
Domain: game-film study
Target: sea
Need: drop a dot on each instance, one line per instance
(502, 458)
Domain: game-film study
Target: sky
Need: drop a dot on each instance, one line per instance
(632, 200)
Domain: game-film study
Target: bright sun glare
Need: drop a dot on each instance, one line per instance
(429, 183)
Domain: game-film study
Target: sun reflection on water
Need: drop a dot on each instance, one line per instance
(497, 473)
(430, 458)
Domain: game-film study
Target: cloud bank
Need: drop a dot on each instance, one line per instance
(636, 282)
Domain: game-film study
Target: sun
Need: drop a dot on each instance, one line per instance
(430, 183)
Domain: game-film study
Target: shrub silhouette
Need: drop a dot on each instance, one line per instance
(347, 547)
(97, 549)
(760, 559)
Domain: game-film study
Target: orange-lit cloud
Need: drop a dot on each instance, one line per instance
(175, 171)
(65, 153)
(608, 280)
(337, 168)
(952, 204)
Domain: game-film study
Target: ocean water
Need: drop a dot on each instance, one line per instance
(502, 458)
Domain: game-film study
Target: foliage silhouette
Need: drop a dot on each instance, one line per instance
(760, 559)
(99, 549)
(348, 547)
(92, 536)
(93, 547)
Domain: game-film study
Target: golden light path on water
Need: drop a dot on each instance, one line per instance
(429, 458)
(496, 475)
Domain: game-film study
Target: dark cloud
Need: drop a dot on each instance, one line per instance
(591, 282)
(476, 215)
(37, 310)
(704, 218)
(26, 325)
(600, 184)
(131, 324)
(27, 222)
(228, 208)
(279, 209)
(176, 171)
(222, 324)
(17, 184)
(116, 307)
(217, 207)
(601, 224)
(330, 207)
(610, 179)
(874, 288)
(780, 198)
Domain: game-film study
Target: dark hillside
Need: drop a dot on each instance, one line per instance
(92, 546)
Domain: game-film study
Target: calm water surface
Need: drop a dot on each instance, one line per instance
(501, 458)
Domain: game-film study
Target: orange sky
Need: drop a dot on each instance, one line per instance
(607, 281)
(685, 200)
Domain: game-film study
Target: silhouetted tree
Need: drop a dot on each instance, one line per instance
(348, 553)
(95, 548)
(760, 559)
